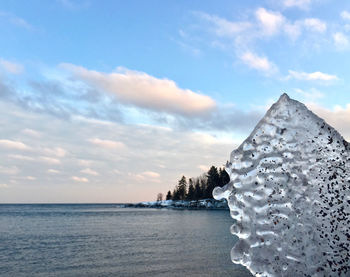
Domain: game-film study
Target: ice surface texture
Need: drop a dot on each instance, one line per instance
(289, 193)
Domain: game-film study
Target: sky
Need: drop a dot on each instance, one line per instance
(113, 101)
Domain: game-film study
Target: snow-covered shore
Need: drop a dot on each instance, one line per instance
(209, 204)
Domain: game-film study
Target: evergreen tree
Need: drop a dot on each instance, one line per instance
(213, 181)
(169, 196)
(201, 187)
(224, 177)
(182, 188)
(204, 185)
(190, 194)
(176, 194)
(197, 190)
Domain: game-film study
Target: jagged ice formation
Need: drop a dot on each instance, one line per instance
(289, 193)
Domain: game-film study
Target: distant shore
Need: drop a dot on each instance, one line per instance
(205, 204)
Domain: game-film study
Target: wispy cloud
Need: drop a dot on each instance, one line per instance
(269, 21)
(345, 15)
(263, 25)
(56, 151)
(11, 67)
(302, 4)
(80, 179)
(74, 4)
(311, 95)
(259, 63)
(315, 24)
(314, 76)
(223, 27)
(204, 168)
(53, 171)
(21, 157)
(89, 171)
(145, 91)
(341, 41)
(105, 143)
(162, 147)
(12, 170)
(151, 174)
(49, 160)
(12, 144)
(338, 117)
(66, 98)
(32, 133)
(16, 20)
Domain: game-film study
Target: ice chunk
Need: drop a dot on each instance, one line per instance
(289, 193)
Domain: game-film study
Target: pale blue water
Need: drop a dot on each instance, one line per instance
(104, 240)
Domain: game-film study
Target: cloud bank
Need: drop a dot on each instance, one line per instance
(145, 91)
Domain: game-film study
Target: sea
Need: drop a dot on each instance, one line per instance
(107, 240)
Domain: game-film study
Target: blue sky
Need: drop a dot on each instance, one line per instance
(112, 101)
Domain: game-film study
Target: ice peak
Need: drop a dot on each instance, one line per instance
(290, 196)
(285, 101)
(284, 98)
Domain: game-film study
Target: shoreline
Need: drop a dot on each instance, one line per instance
(203, 204)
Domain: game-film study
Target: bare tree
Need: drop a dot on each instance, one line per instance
(159, 196)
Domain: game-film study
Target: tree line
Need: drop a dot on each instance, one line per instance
(199, 187)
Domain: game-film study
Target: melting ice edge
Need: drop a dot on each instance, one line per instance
(289, 193)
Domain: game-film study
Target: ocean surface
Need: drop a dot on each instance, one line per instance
(106, 240)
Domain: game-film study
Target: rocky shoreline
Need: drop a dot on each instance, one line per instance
(205, 204)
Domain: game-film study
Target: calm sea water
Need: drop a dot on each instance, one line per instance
(104, 240)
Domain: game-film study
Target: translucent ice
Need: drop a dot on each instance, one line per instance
(289, 193)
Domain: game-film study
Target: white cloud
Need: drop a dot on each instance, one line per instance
(31, 178)
(11, 144)
(57, 151)
(111, 144)
(315, 25)
(145, 91)
(45, 159)
(293, 30)
(12, 170)
(259, 63)
(21, 157)
(116, 171)
(314, 76)
(3, 186)
(74, 5)
(341, 41)
(302, 4)
(17, 21)
(53, 171)
(31, 133)
(151, 146)
(224, 27)
(89, 171)
(338, 117)
(345, 15)
(270, 22)
(311, 95)
(151, 174)
(11, 67)
(85, 162)
(203, 167)
(80, 179)
(50, 160)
